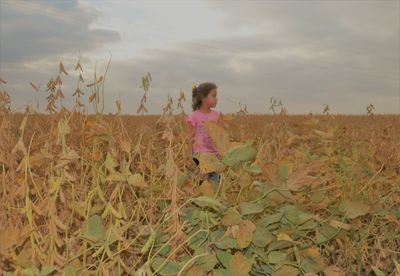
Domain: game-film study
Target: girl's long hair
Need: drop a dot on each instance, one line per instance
(200, 92)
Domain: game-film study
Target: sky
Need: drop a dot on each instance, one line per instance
(305, 53)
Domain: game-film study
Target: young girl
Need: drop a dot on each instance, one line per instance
(204, 97)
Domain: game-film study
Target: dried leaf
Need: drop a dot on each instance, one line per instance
(302, 178)
(286, 270)
(283, 237)
(8, 238)
(62, 69)
(325, 134)
(70, 155)
(339, 225)
(35, 87)
(333, 270)
(245, 233)
(78, 66)
(353, 209)
(240, 266)
(209, 163)
(219, 136)
(20, 146)
(232, 217)
(206, 189)
(137, 180)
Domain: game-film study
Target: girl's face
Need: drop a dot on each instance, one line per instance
(211, 99)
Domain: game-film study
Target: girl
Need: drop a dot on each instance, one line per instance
(204, 97)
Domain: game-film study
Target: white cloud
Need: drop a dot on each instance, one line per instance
(238, 65)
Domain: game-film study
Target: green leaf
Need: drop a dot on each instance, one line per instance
(297, 217)
(377, 271)
(283, 173)
(168, 269)
(93, 228)
(275, 257)
(149, 243)
(69, 271)
(46, 270)
(164, 251)
(181, 177)
(198, 239)
(227, 242)
(308, 225)
(262, 237)
(205, 201)
(249, 208)
(312, 264)
(317, 196)
(271, 219)
(216, 235)
(222, 272)
(190, 213)
(253, 168)
(31, 271)
(240, 153)
(281, 244)
(259, 252)
(326, 233)
(225, 258)
(110, 163)
(207, 262)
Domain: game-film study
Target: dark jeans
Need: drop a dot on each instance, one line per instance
(211, 176)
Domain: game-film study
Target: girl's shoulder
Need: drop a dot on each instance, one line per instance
(191, 118)
(192, 115)
(198, 115)
(216, 113)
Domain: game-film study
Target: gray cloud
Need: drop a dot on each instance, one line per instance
(31, 30)
(36, 35)
(345, 54)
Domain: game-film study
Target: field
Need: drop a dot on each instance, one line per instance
(119, 195)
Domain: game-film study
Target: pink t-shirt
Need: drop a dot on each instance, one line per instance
(202, 141)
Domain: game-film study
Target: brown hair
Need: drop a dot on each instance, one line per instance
(201, 91)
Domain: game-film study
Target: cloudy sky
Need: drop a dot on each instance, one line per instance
(305, 53)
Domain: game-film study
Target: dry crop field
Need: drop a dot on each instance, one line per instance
(119, 195)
